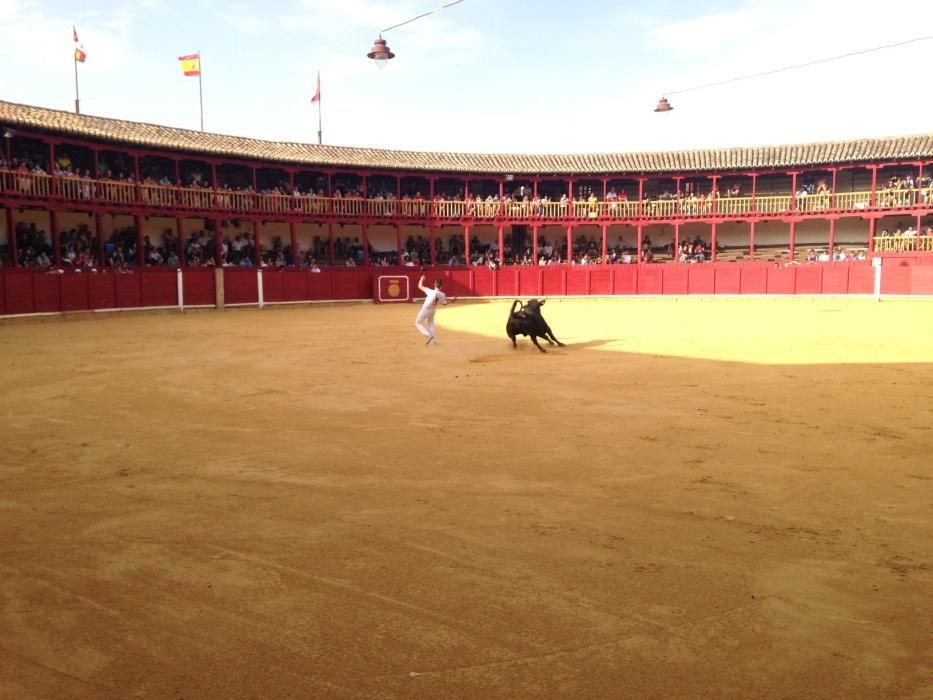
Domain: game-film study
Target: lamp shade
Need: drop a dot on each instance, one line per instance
(380, 52)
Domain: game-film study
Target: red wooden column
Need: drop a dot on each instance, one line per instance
(365, 228)
(754, 192)
(712, 244)
(218, 243)
(55, 238)
(293, 240)
(677, 233)
(331, 251)
(140, 249)
(677, 208)
(641, 205)
(569, 213)
(919, 195)
(832, 236)
(178, 182)
(832, 194)
(398, 243)
(181, 242)
(501, 197)
(137, 191)
(640, 239)
(534, 244)
(793, 191)
(569, 245)
(873, 202)
(11, 227)
(751, 240)
(605, 188)
(715, 203)
(872, 222)
(51, 170)
(99, 232)
(466, 245)
(292, 202)
(257, 253)
(604, 246)
(501, 244)
(793, 240)
(432, 239)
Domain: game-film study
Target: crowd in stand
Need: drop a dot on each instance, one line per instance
(114, 170)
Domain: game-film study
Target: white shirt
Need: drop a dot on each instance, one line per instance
(432, 298)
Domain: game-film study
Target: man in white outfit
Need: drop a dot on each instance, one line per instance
(432, 297)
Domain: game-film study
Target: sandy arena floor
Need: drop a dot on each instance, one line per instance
(717, 499)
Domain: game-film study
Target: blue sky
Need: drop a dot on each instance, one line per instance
(484, 75)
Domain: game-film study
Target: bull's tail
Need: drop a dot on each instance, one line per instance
(515, 303)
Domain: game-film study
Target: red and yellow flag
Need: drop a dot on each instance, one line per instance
(317, 92)
(191, 64)
(80, 54)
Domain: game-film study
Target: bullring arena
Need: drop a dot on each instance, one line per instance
(720, 487)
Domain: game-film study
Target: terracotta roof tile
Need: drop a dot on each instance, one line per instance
(153, 136)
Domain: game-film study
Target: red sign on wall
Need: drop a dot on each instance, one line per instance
(392, 288)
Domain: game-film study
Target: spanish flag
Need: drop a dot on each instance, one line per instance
(191, 64)
(80, 55)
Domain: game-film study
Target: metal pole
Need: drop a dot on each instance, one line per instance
(200, 89)
(77, 100)
(319, 141)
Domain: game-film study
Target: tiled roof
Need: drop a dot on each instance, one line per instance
(152, 136)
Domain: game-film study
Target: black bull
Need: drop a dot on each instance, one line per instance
(527, 320)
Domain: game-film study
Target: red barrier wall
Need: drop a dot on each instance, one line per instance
(578, 283)
(553, 282)
(27, 291)
(921, 279)
(648, 279)
(199, 287)
(727, 280)
(896, 279)
(626, 279)
(861, 279)
(240, 286)
(701, 279)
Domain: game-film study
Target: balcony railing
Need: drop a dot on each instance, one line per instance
(78, 189)
(904, 244)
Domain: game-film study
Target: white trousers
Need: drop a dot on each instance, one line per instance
(425, 323)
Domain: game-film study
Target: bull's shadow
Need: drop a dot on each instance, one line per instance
(570, 345)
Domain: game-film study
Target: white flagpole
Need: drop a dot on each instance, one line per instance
(319, 141)
(200, 90)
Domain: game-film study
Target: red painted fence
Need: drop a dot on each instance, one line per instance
(28, 292)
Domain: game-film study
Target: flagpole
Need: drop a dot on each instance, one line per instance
(200, 89)
(77, 99)
(319, 141)
(74, 56)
